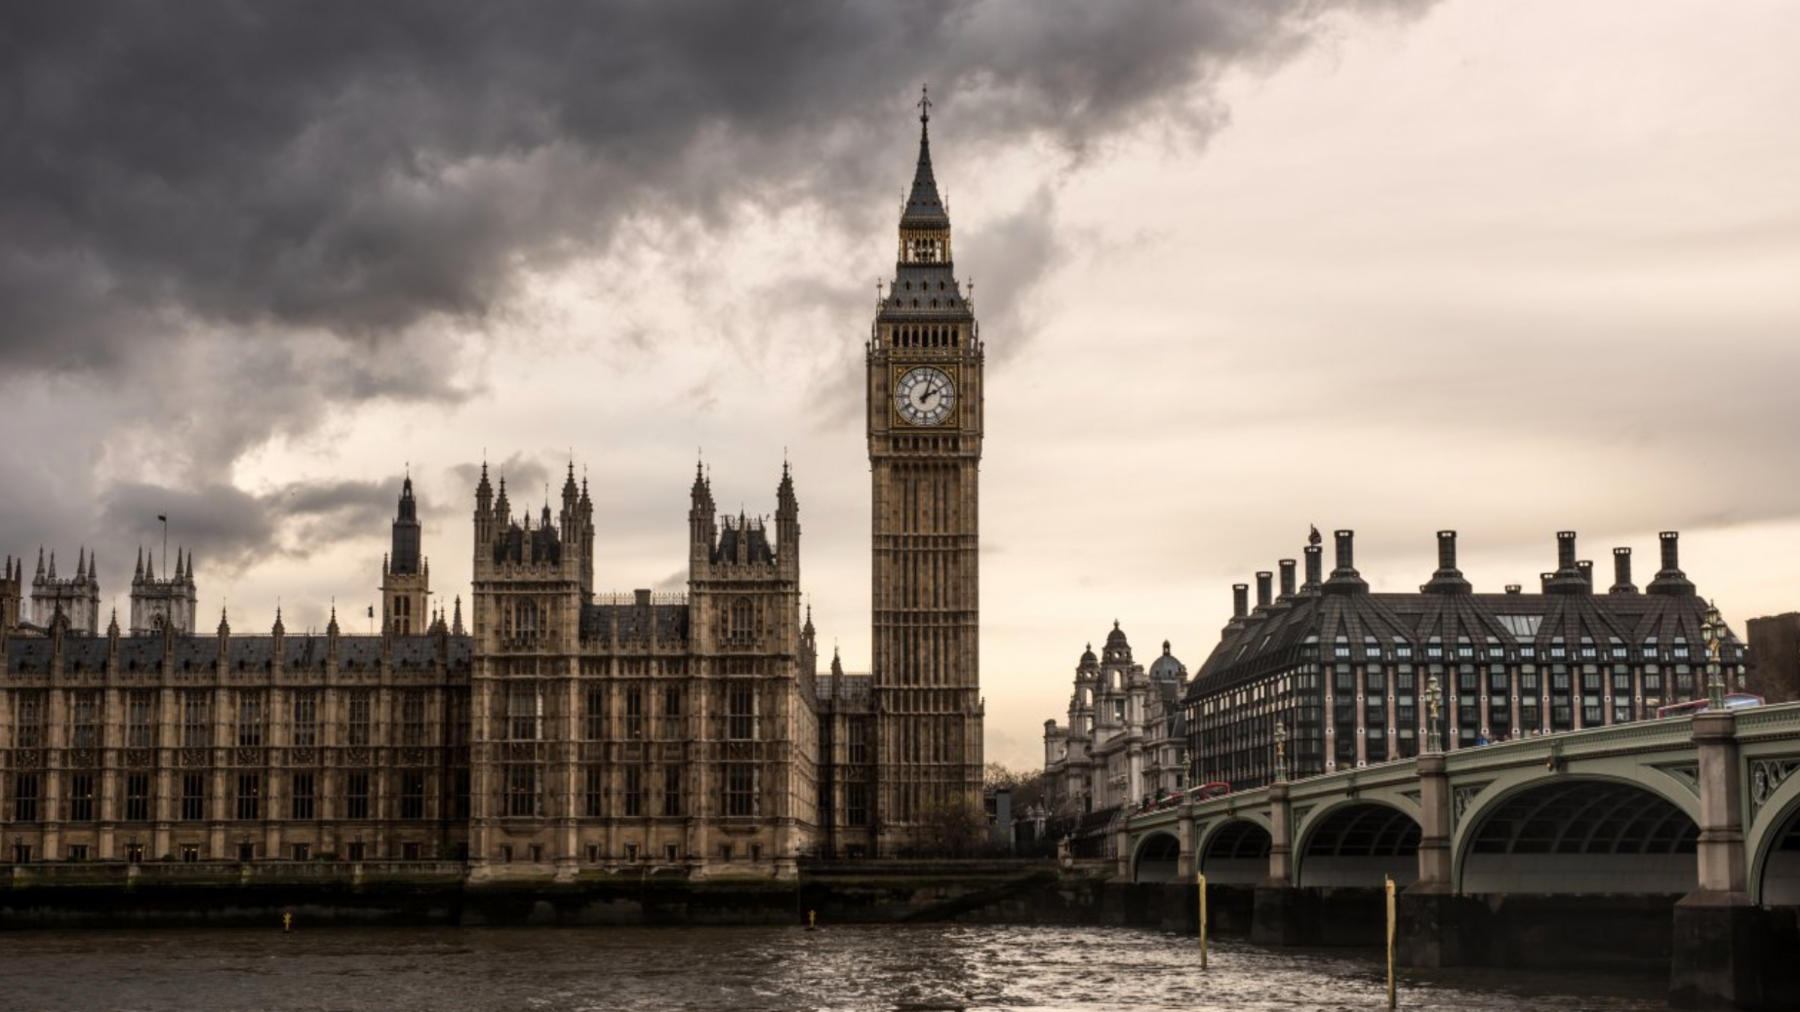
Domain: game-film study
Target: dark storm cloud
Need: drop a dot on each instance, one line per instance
(230, 529)
(220, 221)
(359, 169)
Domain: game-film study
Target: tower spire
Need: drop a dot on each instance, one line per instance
(924, 208)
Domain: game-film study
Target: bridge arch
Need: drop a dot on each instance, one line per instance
(1576, 833)
(1235, 852)
(1773, 846)
(1357, 842)
(1157, 857)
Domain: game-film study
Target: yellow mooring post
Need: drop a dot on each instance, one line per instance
(287, 921)
(812, 919)
(1392, 998)
(1201, 876)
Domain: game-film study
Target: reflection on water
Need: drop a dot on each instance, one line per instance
(920, 968)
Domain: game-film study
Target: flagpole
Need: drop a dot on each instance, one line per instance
(164, 517)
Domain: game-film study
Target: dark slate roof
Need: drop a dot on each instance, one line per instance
(847, 688)
(925, 293)
(750, 535)
(924, 208)
(1274, 638)
(242, 653)
(635, 621)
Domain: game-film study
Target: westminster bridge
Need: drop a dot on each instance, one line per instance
(1676, 838)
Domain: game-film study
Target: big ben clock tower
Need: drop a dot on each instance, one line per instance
(925, 424)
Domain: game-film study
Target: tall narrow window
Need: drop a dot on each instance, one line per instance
(306, 719)
(140, 726)
(84, 720)
(196, 721)
(596, 713)
(634, 713)
(249, 795)
(25, 797)
(740, 711)
(412, 717)
(356, 794)
(193, 796)
(412, 794)
(595, 793)
(249, 719)
(524, 790)
(674, 727)
(300, 796)
(81, 797)
(524, 712)
(671, 790)
(28, 720)
(740, 789)
(634, 792)
(137, 797)
(357, 722)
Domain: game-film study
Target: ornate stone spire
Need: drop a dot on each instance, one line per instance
(924, 208)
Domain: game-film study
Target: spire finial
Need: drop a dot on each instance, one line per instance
(924, 103)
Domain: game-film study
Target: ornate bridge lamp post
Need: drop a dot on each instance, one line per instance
(1432, 689)
(1713, 631)
(1281, 753)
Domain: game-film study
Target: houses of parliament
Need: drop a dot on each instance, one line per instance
(558, 729)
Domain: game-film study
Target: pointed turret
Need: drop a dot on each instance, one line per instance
(404, 559)
(331, 628)
(149, 566)
(224, 624)
(278, 630)
(52, 565)
(924, 208)
(40, 569)
(787, 517)
(112, 627)
(81, 564)
(137, 577)
(702, 513)
(502, 508)
(456, 624)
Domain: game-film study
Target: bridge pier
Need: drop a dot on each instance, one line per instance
(1721, 944)
(1279, 914)
(1434, 923)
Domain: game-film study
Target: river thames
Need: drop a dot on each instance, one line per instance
(938, 967)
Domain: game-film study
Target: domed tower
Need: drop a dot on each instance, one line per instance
(925, 420)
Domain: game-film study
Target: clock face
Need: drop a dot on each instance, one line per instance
(924, 395)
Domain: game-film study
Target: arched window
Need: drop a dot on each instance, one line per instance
(741, 624)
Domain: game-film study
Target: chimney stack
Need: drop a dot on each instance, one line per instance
(1447, 579)
(1622, 572)
(1240, 600)
(1263, 582)
(1287, 579)
(1565, 551)
(1345, 579)
(1314, 564)
(1670, 580)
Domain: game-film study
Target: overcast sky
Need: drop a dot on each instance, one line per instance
(1507, 268)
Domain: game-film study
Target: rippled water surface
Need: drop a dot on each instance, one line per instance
(741, 969)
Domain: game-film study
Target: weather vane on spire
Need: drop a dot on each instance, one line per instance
(924, 103)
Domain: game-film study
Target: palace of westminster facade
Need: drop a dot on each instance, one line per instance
(559, 729)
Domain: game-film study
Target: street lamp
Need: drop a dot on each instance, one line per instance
(1431, 712)
(1712, 630)
(1280, 753)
